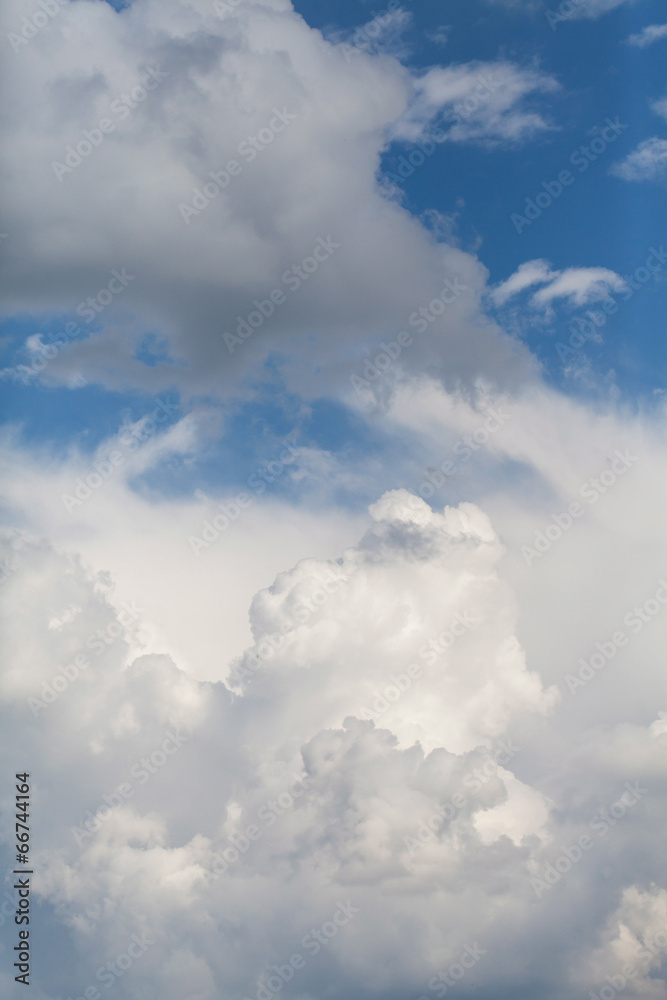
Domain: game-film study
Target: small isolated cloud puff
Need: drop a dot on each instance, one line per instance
(648, 162)
(484, 102)
(648, 35)
(580, 285)
(660, 107)
(533, 272)
(439, 35)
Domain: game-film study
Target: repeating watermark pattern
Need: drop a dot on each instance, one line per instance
(121, 106)
(464, 449)
(484, 87)
(31, 26)
(443, 813)
(430, 652)
(419, 320)
(636, 620)
(7, 569)
(43, 353)
(130, 440)
(581, 158)
(441, 983)
(591, 491)
(408, 163)
(588, 328)
(566, 10)
(224, 8)
(293, 278)
(364, 37)
(601, 824)
(258, 483)
(88, 309)
(308, 606)
(240, 842)
(313, 942)
(249, 149)
(383, 360)
(426, 146)
(108, 973)
(98, 641)
(141, 771)
(46, 352)
(620, 980)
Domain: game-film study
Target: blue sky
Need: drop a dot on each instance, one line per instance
(600, 221)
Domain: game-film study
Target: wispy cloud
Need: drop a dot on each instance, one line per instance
(489, 103)
(648, 162)
(649, 35)
(577, 285)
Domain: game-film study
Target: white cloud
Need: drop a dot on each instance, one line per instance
(375, 646)
(408, 578)
(440, 35)
(579, 285)
(533, 272)
(370, 790)
(660, 107)
(647, 36)
(264, 695)
(310, 178)
(156, 844)
(647, 162)
(381, 34)
(634, 942)
(202, 634)
(480, 102)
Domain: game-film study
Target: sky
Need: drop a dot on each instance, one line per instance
(334, 564)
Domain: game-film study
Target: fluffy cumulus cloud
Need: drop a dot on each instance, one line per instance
(381, 754)
(648, 162)
(361, 767)
(238, 154)
(392, 744)
(425, 617)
